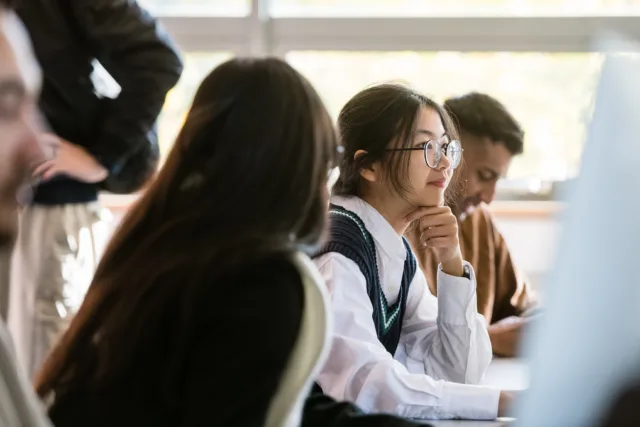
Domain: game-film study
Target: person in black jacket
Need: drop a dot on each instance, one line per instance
(204, 310)
(99, 141)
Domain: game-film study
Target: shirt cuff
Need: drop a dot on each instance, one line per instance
(455, 294)
(469, 402)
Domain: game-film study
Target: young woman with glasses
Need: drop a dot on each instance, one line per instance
(396, 347)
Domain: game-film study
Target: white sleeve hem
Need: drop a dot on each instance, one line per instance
(470, 402)
(455, 294)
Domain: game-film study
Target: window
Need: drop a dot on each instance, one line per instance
(197, 67)
(198, 7)
(454, 7)
(550, 94)
(536, 56)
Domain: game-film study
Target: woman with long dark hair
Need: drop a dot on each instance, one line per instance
(204, 310)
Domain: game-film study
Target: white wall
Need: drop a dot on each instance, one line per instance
(532, 242)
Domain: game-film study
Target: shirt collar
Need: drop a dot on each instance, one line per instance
(383, 233)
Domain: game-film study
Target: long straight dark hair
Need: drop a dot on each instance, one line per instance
(246, 178)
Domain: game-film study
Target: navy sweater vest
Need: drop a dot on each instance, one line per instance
(349, 237)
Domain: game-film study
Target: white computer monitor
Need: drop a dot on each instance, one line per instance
(587, 345)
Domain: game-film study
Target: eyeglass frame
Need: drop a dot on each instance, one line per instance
(438, 143)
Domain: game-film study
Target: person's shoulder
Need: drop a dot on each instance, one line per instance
(276, 268)
(274, 279)
(480, 221)
(269, 288)
(483, 212)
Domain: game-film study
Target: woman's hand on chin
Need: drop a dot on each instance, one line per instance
(439, 230)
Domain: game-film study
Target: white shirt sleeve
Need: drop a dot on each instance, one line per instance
(445, 337)
(359, 369)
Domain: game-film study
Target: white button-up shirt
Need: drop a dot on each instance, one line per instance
(444, 346)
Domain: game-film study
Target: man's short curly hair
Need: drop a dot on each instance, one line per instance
(484, 116)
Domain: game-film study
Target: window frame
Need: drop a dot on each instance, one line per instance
(260, 34)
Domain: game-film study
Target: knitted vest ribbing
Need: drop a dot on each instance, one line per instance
(349, 237)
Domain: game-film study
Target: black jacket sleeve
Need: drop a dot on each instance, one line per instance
(142, 59)
(250, 328)
(321, 410)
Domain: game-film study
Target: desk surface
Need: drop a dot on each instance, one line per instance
(505, 374)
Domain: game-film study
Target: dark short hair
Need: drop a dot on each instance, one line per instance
(484, 116)
(373, 119)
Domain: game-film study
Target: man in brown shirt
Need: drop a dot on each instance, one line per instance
(490, 137)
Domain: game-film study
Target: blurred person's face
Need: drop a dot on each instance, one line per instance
(20, 150)
(486, 161)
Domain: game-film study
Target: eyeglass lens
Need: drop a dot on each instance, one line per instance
(433, 152)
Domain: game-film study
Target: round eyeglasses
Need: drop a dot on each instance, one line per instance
(434, 149)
